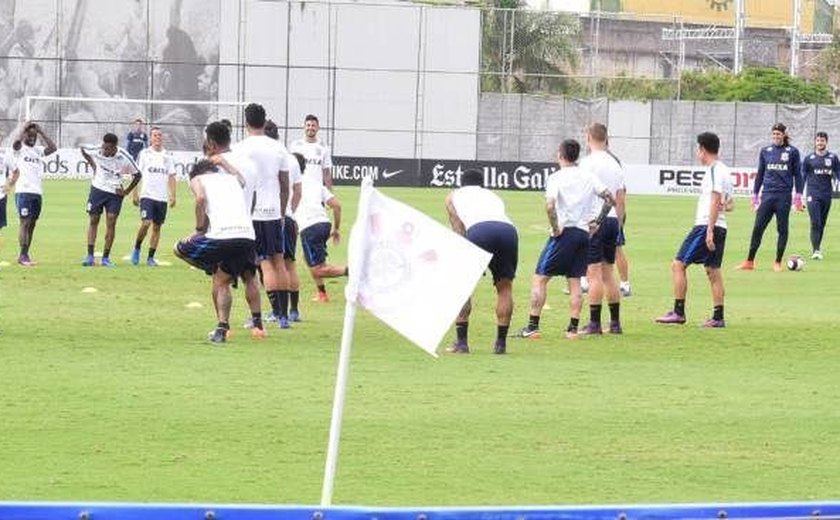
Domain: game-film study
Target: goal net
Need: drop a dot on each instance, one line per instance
(72, 121)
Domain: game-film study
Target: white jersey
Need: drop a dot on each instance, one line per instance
(229, 218)
(575, 192)
(607, 169)
(29, 161)
(269, 157)
(295, 177)
(474, 204)
(156, 168)
(109, 170)
(312, 208)
(716, 180)
(248, 170)
(4, 169)
(317, 157)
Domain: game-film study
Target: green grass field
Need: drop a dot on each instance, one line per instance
(117, 396)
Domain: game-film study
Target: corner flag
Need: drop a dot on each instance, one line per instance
(409, 270)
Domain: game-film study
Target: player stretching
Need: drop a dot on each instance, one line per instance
(706, 240)
(272, 188)
(109, 163)
(158, 171)
(316, 152)
(479, 215)
(570, 195)
(779, 173)
(315, 230)
(28, 166)
(818, 170)
(602, 245)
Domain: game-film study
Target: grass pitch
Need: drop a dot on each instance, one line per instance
(115, 394)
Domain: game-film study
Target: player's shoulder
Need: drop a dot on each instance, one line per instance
(768, 149)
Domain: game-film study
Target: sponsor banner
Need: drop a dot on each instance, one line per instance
(655, 179)
(67, 163)
(384, 171)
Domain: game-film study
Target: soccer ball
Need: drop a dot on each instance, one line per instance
(795, 263)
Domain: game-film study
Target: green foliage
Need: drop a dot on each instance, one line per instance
(755, 84)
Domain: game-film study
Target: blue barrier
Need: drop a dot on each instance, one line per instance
(130, 511)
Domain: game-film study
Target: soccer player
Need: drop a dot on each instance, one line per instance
(223, 243)
(272, 188)
(570, 195)
(479, 215)
(315, 230)
(706, 240)
(602, 245)
(109, 163)
(136, 140)
(315, 151)
(158, 172)
(818, 169)
(779, 173)
(28, 167)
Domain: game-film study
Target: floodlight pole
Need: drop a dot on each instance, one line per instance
(739, 36)
(794, 37)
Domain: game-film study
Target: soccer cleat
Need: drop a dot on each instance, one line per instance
(591, 329)
(572, 334)
(713, 324)
(777, 267)
(88, 261)
(458, 348)
(271, 318)
(25, 261)
(283, 322)
(294, 316)
(615, 327)
(671, 318)
(218, 335)
(135, 257)
(258, 333)
(106, 262)
(817, 255)
(624, 289)
(151, 262)
(529, 333)
(746, 265)
(499, 347)
(321, 297)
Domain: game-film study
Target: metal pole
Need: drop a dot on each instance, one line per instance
(739, 33)
(794, 37)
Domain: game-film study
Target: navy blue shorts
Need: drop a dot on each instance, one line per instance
(290, 236)
(99, 200)
(501, 240)
(694, 250)
(153, 210)
(313, 240)
(565, 255)
(234, 256)
(603, 243)
(3, 222)
(269, 235)
(28, 205)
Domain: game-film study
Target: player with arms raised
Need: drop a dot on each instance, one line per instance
(158, 191)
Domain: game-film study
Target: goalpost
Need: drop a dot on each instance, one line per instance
(108, 112)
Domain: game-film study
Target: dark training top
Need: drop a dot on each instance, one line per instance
(779, 170)
(818, 170)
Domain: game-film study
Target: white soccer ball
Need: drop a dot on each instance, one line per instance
(795, 263)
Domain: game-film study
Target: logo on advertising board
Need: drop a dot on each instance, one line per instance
(497, 175)
(688, 180)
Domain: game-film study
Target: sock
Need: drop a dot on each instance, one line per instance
(573, 325)
(614, 312)
(106, 253)
(274, 299)
(294, 297)
(152, 252)
(24, 250)
(501, 334)
(595, 313)
(461, 332)
(223, 325)
(679, 307)
(137, 245)
(533, 322)
(347, 271)
(256, 318)
(90, 249)
(322, 289)
(283, 298)
(718, 313)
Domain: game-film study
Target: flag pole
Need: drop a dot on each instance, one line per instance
(338, 403)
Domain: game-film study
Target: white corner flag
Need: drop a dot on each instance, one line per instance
(409, 271)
